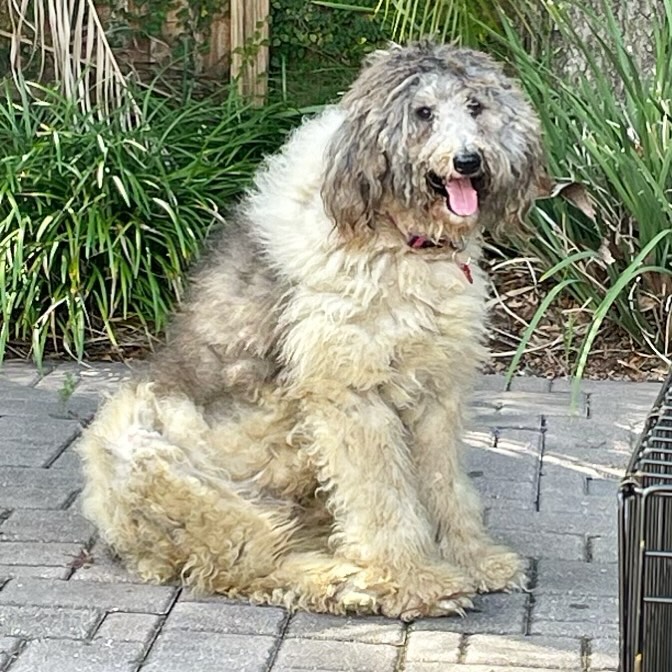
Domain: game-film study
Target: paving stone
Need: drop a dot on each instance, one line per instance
(112, 597)
(519, 441)
(493, 382)
(525, 403)
(570, 578)
(601, 487)
(515, 458)
(367, 629)
(23, 454)
(68, 459)
(52, 655)
(53, 396)
(103, 567)
(37, 622)
(577, 505)
(35, 553)
(507, 421)
(499, 489)
(497, 614)
(556, 652)
(507, 507)
(532, 544)
(8, 646)
(62, 374)
(91, 381)
(12, 391)
(233, 619)
(604, 654)
(433, 646)
(588, 522)
(481, 437)
(33, 572)
(575, 615)
(27, 488)
(181, 650)
(75, 505)
(308, 654)
(34, 443)
(604, 548)
(32, 525)
(18, 454)
(530, 384)
(30, 403)
(22, 373)
(108, 377)
(582, 443)
(189, 595)
(568, 493)
(441, 667)
(128, 627)
(618, 390)
(628, 403)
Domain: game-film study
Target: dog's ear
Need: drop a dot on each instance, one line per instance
(531, 184)
(528, 180)
(353, 180)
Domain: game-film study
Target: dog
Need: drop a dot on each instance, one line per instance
(297, 440)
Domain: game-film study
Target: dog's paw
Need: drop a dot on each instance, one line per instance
(429, 592)
(358, 600)
(498, 569)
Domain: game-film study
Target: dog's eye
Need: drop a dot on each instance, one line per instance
(424, 113)
(475, 107)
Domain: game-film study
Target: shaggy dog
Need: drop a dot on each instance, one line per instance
(297, 441)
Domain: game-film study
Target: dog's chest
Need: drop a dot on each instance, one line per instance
(433, 338)
(400, 329)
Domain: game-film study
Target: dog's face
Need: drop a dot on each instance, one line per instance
(437, 139)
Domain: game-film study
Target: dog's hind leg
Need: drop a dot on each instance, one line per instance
(169, 517)
(453, 502)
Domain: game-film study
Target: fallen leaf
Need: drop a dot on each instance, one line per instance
(84, 559)
(574, 192)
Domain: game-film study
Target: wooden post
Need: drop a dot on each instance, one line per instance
(249, 49)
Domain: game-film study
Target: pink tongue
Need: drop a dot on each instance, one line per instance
(462, 197)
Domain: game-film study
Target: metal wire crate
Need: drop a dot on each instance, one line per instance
(645, 545)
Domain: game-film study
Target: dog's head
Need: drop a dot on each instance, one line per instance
(438, 139)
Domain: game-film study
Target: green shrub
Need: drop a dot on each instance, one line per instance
(99, 224)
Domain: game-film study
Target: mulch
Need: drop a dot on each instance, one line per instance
(553, 348)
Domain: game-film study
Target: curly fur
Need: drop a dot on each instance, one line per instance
(296, 442)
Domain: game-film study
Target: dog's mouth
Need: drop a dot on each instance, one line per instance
(463, 195)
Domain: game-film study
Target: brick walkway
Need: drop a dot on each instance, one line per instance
(548, 478)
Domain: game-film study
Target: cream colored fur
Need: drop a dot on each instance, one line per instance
(297, 442)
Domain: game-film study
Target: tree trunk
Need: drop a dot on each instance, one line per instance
(635, 19)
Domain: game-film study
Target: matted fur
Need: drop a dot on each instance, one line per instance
(297, 440)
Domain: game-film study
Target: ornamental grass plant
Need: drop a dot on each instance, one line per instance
(99, 222)
(608, 127)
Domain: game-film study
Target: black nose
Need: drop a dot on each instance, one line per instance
(467, 163)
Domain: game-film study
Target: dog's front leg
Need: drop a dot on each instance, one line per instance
(452, 502)
(359, 447)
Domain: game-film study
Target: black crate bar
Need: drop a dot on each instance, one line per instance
(645, 545)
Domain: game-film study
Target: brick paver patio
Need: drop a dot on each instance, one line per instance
(548, 475)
